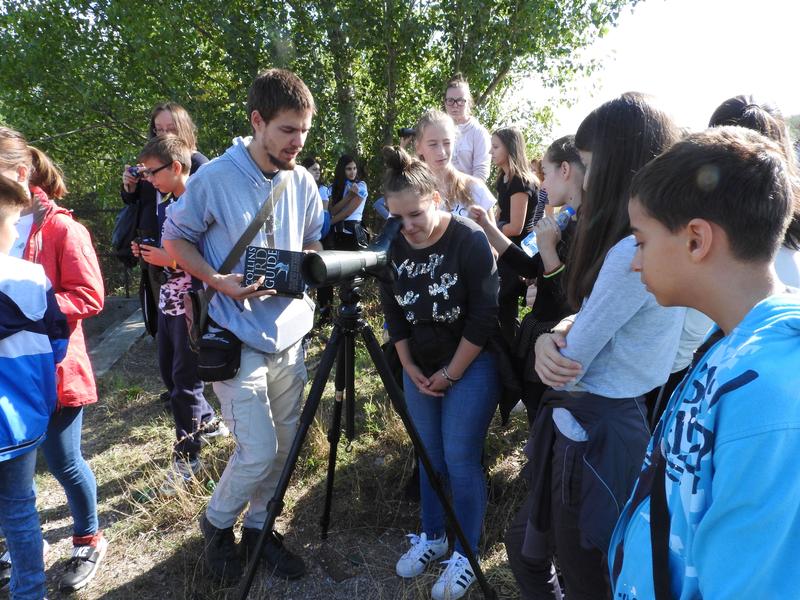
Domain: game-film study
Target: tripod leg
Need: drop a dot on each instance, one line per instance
(275, 505)
(350, 387)
(398, 402)
(334, 434)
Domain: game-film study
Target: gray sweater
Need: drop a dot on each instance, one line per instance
(218, 205)
(624, 339)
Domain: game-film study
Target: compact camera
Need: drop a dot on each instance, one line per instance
(404, 132)
(136, 172)
(145, 237)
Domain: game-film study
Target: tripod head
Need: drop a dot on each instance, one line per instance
(349, 313)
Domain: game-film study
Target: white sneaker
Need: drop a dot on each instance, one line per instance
(455, 580)
(421, 553)
(214, 429)
(180, 472)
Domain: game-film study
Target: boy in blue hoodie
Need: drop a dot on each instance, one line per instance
(33, 339)
(715, 511)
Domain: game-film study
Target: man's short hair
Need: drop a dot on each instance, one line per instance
(168, 148)
(275, 90)
(731, 176)
(12, 195)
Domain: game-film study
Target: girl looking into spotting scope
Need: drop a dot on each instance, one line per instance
(441, 312)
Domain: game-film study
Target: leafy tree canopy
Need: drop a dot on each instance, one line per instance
(80, 77)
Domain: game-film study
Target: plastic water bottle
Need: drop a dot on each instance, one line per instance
(529, 244)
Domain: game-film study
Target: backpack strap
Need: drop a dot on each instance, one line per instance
(659, 528)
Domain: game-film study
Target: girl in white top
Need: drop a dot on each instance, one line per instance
(471, 154)
(436, 134)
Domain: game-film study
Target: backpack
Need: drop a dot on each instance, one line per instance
(123, 234)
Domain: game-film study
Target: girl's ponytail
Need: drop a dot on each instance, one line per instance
(46, 175)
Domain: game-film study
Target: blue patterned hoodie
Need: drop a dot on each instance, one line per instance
(33, 339)
(731, 438)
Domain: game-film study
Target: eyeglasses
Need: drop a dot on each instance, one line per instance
(455, 101)
(160, 131)
(151, 172)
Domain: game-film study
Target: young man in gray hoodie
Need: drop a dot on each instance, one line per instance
(261, 404)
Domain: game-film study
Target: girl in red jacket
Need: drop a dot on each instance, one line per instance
(49, 236)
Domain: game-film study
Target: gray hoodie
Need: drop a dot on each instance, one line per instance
(221, 199)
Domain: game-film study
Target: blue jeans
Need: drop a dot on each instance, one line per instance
(453, 429)
(62, 451)
(20, 523)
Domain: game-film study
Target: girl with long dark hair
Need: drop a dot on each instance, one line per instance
(590, 435)
(348, 195)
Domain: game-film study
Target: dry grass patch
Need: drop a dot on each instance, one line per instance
(156, 546)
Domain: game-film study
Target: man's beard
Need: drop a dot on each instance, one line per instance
(282, 164)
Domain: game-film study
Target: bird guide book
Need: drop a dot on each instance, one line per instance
(280, 268)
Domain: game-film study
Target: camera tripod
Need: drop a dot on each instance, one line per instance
(348, 322)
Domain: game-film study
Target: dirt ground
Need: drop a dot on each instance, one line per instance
(155, 544)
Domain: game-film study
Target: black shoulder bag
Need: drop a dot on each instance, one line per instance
(219, 350)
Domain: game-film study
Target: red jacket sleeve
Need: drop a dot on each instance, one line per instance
(80, 287)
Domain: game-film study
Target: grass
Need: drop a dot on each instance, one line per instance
(155, 545)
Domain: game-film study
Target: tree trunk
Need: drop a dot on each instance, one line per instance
(501, 74)
(345, 91)
(390, 115)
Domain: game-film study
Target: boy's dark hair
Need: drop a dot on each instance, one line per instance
(731, 176)
(12, 195)
(275, 90)
(168, 148)
(764, 117)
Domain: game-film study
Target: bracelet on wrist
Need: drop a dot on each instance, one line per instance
(555, 271)
(446, 375)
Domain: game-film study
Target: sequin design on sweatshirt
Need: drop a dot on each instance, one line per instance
(446, 281)
(440, 286)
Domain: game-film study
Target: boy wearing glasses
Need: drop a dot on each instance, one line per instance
(167, 161)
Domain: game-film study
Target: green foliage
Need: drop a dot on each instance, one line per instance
(79, 77)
